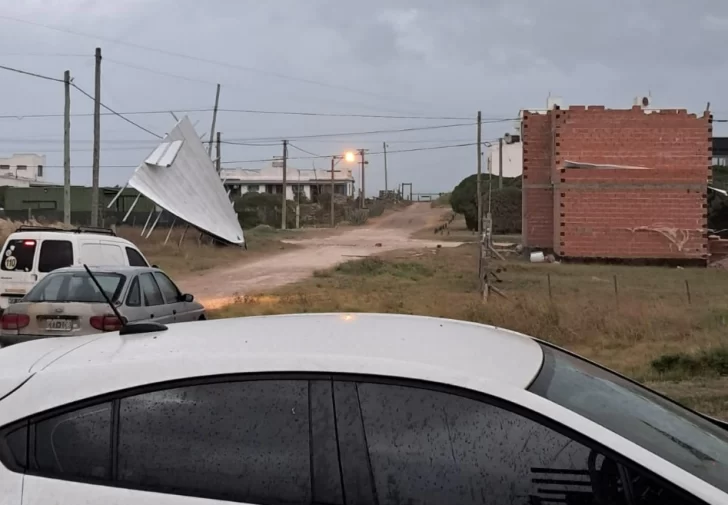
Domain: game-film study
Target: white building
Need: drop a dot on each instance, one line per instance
(311, 182)
(512, 157)
(22, 169)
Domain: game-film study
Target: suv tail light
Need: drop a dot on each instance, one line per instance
(106, 323)
(14, 321)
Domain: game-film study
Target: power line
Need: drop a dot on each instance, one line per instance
(203, 60)
(304, 151)
(118, 114)
(31, 74)
(255, 111)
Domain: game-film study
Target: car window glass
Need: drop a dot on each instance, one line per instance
(55, 254)
(50, 289)
(18, 255)
(135, 258)
(75, 444)
(245, 441)
(135, 295)
(150, 290)
(435, 448)
(169, 290)
(661, 426)
(17, 441)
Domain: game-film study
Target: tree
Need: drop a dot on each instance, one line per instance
(506, 205)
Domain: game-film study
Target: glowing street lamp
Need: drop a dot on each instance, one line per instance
(348, 157)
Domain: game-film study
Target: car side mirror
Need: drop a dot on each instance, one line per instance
(188, 298)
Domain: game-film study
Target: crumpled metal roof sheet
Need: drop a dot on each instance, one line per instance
(186, 184)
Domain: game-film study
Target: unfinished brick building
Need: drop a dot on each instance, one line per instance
(653, 207)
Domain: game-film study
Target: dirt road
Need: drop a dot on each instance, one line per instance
(393, 231)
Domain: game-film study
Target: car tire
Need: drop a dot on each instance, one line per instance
(202, 318)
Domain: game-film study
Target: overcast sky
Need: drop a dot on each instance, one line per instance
(437, 58)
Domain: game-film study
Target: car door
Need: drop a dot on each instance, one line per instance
(252, 440)
(156, 308)
(18, 273)
(418, 444)
(183, 311)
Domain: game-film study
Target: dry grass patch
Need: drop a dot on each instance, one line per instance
(647, 318)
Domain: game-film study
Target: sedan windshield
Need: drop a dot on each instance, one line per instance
(661, 426)
(76, 287)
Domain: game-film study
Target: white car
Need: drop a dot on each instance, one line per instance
(32, 252)
(341, 409)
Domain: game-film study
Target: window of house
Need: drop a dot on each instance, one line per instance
(428, 447)
(40, 204)
(253, 188)
(22, 167)
(135, 258)
(55, 254)
(40, 170)
(4, 167)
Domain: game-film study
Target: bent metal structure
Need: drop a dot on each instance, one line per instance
(179, 177)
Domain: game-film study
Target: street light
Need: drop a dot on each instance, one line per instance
(348, 157)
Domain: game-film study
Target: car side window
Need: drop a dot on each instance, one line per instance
(169, 290)
(55, 254)
(419, 446)
(135, 258)
(134, 298)
(18, 255)
(245, 441)
(150, 290)
(75, 444)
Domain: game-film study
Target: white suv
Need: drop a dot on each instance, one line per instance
(31, 252)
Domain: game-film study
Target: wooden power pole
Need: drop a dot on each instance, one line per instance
(386, 185)
(214, 119)
(500, 163)
(284, 200)
(363, 177)
(477, 184)
(97, 143)
(218, 161)
(333, 217)
(67, 149)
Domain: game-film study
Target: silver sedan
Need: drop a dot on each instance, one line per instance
(67, 302)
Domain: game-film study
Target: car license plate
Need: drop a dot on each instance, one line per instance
(12, 300)
(59, 324)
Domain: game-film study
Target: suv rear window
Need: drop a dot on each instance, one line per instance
(135, 258)
(55, 254)
(18, 255)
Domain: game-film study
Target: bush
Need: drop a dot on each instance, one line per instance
(256, 209)
(708, 362)
(506, 206)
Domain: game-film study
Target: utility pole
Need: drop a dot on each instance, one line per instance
(67, 150)
(285, 184)
(363, 178)
(97, 143)
(386, 186)
(214, 119)
(218, 162)
(478, 187)
(333, 218)
(500, 163)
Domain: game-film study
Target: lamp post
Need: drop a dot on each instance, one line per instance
(348, 157)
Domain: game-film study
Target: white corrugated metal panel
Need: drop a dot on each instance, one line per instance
(184, 182)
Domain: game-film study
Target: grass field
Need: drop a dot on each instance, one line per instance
(648, 328)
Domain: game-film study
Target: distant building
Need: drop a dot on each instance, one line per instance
(512, 157)
(720, 151)
(22, 170)
(310, 182)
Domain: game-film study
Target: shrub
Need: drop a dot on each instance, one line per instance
(506, 207)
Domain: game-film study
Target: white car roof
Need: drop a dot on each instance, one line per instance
(424, 348)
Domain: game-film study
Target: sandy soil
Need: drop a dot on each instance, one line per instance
(389, 232)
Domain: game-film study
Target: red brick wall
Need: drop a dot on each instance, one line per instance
(618, 213)
(538, 199)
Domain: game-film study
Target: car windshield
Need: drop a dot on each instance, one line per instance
(661, 426)
(76, 287)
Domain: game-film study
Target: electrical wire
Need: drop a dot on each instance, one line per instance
(31, 74)
(258, 111)
(304, 151)
(117, 114)
(204, 60)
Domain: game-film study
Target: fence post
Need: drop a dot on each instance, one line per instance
(616, 291)
(687, 290)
